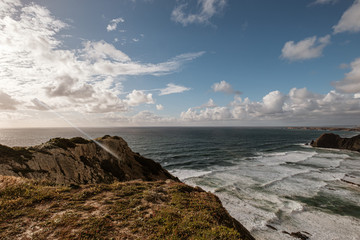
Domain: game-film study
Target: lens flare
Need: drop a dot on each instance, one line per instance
(41, 103)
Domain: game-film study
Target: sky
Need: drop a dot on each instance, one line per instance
(117, 63)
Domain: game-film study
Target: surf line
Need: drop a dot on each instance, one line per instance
(41, 103)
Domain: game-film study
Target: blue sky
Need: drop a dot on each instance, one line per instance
(181, 63)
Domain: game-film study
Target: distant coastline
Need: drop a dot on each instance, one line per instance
(348, 129)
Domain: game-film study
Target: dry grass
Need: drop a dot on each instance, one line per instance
(6, 181)
(126, 210)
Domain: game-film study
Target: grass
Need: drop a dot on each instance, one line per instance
(121, 210)
(61, 143)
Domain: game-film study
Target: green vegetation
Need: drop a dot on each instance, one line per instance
(79, 140)
(121, 210)
(61, 143)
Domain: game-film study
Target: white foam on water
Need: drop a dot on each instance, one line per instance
(184, 174)
(259, 191)
(284, 157)
(333, 155)
(285, 176)
(252, 217)
(321, 226)
(255, 209)
(297, 186)
(321, 162)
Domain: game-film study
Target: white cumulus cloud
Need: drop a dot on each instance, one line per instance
(207, 114)
(113, 24)
(136, 98)
(206, 10)
(209, 104)
(351, 82)
(159, 107)
(350, 20)
(273, 102)
(299, 105)
(224, 87)
(308, 48)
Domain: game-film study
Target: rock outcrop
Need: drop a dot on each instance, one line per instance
(331, 140)
(80, 161)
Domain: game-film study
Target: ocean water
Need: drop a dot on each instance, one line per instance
(267, 178)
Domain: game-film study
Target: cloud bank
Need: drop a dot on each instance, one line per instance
(298, 105)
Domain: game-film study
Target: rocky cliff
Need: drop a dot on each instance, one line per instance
(80, 189)
(80, 161)
(331, 140)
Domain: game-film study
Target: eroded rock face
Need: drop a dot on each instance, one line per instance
(80, 161)
(331, 140)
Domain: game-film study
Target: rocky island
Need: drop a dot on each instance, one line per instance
(331, 140)
(100, 189)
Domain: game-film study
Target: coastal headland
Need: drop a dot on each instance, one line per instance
(100, 189)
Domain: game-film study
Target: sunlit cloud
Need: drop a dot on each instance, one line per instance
(305, 49)
(297, 105)
(136, 98)
(173, 88)
(351, 82)
(224, 87)
(350, 20)
(85, 80)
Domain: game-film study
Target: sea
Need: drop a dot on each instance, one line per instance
(267, 178)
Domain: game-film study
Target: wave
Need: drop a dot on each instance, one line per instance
(183, 174)
(278, 158)
(260, 190)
